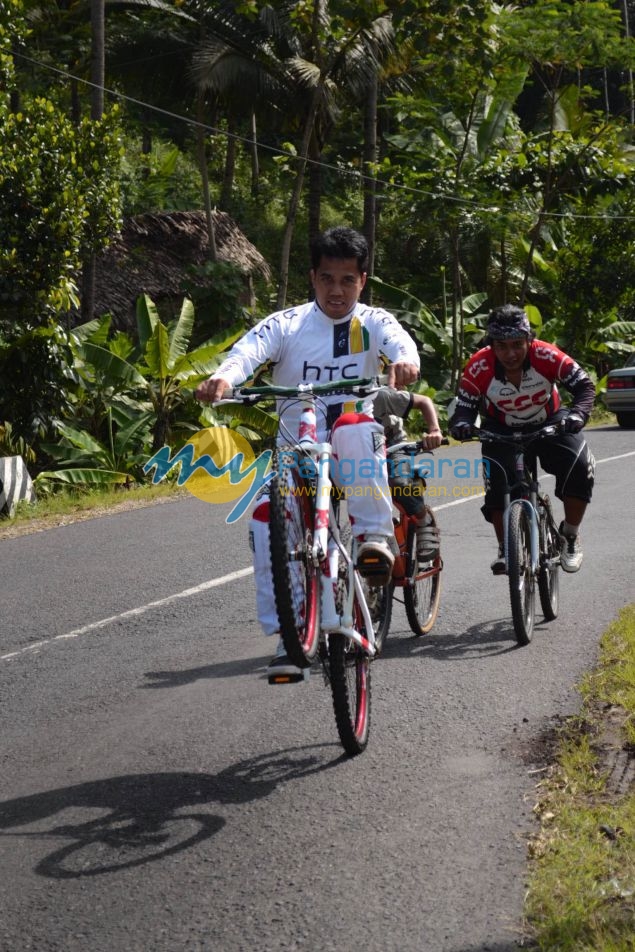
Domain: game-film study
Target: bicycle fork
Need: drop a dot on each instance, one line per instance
(530, 509)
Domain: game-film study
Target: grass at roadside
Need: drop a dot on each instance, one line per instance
(581, 895)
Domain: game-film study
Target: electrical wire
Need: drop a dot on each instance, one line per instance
(496, 209)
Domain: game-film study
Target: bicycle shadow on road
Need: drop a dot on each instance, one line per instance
(494, 637)
(221, 669)
(140, 817)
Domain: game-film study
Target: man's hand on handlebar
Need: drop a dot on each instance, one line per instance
(401, 374)
(462, 432)
(432, 439)
(573, 422)
(212, 390)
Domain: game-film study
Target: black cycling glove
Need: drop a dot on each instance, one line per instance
(462, 431)
(573, 423)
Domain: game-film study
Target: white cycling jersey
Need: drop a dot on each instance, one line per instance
(303, 345)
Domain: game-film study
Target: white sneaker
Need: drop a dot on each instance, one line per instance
(570, 552)
(375, 560)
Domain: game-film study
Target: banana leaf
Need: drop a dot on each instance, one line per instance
(147, 319)
(181, 334)
(82, 477)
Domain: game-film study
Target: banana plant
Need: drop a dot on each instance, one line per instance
(165, 372)
(85, 461)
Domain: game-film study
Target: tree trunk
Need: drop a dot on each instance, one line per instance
(370, 180)
(629, 71)
(457, 307)
(230, 167)
(97, 77)
(202, 160)
(294, 201)
(253, 150)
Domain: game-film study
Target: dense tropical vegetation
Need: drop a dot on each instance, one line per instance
(486, 150)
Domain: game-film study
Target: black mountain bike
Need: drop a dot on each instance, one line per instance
(531, 538)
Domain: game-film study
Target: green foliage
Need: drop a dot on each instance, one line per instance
(12, 32)
(218, 302)
(11, 445)
(85, 460)
(34, 382)
(165, 179)
(58, 199)
(582, 883)
(595, 295)
(127, 399)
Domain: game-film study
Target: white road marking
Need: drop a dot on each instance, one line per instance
(132, 612)
(457, 502)
(203, 587)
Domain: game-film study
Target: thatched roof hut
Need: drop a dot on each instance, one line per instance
(153, 253)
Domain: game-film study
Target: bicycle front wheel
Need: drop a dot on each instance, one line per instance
(349, 669)
(521, 578)
(296, 581)
(422, 592)
(548, 575)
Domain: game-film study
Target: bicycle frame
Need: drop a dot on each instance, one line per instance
(527, 481)
(327, 547)
(402, 575)
(327, 544)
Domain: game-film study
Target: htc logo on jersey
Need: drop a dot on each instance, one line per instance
(328, 372)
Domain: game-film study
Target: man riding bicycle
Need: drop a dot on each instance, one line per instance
(513, 381)
(391, 407)
(332, 338)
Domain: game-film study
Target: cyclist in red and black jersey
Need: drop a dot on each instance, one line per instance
(513, 382)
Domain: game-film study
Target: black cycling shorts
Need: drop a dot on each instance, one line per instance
(566, 456)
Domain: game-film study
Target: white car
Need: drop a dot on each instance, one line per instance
(620, 393)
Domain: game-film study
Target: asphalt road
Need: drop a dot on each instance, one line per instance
(157, 794)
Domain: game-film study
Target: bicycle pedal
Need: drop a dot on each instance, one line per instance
(303, 675)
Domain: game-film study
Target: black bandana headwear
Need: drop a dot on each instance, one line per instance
(507, 322)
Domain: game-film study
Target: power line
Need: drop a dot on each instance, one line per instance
(494, 209)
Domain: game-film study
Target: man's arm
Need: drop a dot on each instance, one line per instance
(254, 349)
(426, 408)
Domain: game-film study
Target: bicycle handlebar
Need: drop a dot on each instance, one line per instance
(363, 386)
(488, 436)
(411, 446)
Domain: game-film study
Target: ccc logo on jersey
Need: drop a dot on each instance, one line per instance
(523, 401)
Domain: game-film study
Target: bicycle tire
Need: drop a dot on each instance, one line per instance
(422, 592)
(349, 670)
(296, 581)
(521, 577)
(548, 575)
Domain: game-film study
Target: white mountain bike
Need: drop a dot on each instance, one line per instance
(320, 597)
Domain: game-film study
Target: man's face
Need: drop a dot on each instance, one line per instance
(511, 353)
(337, 283)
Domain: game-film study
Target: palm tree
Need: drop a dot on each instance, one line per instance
(302, 68)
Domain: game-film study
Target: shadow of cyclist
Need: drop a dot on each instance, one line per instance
(221, 669)
(142, 818)
(477, 641)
